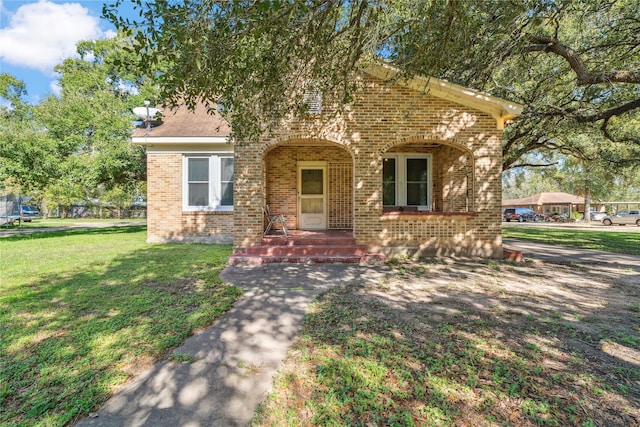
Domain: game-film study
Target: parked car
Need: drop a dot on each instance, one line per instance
(623, 217)
(27, 213)
(519, 214)
(597, 216)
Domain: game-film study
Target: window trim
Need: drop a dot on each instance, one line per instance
(401, 179)
(214, 183)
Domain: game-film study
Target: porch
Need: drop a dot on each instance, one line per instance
(311, 184)
(307, 247)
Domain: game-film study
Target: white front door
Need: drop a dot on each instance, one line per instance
(312, 195)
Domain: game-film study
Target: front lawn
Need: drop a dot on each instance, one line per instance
(467, 344)
(83, 311)
(70, 222)
(620, 242)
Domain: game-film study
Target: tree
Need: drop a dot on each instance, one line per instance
(524, 182)
(12, 91)
(574, 64)
(75, 146)
(593, 180)
(92, 122)
(27, 154)
(575, 84)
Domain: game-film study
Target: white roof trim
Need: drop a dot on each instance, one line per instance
(501, 110)
(173, 140)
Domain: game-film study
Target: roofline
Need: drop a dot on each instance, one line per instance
(500, 109)
(171, 140)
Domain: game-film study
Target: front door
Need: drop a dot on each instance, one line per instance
(312, 195)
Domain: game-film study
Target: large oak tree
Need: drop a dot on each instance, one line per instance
(574, 64)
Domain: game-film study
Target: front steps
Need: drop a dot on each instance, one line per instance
(303, 247)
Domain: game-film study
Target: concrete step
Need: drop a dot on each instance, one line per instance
(306, 250)
(511, 255)
(307, 241)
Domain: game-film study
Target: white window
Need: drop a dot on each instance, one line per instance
(553, 209)
(208, 182)
(406, 180)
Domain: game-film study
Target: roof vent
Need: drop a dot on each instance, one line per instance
(312, 98)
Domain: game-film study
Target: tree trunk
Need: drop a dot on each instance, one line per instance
(587, 205)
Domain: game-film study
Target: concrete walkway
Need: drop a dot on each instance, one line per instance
(566, 254)
(230, 365)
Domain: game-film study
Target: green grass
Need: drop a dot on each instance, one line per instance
(83, 311)
(428, 347)
(370, 369)
(624, 243)
(67, 222)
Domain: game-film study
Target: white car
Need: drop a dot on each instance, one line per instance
(623, 217)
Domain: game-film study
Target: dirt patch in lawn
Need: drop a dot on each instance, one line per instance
(469, 343)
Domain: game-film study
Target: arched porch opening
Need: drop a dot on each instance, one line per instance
(310, 181)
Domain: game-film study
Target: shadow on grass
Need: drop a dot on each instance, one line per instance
(468, 344)
(34, 235)
(69, 339)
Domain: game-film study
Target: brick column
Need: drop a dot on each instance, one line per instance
(488, 197)
(164, 201)
(248, 196)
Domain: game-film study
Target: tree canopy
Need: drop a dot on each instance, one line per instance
(574, 64)
(75, 146)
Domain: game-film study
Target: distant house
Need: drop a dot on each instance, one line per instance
(548, 203)
(412, 168)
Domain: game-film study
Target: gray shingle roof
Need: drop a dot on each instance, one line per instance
(181, 122)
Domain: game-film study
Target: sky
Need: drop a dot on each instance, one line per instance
(36, 35)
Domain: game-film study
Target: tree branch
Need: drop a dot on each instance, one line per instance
(607, 114)
(607, 134)
(573, 113)
(533, 165)
(584, 76)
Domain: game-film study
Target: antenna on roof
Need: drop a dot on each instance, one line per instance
(146, 104)
(148, 115)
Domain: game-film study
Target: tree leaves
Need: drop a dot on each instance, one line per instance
(574, 64)
(75, 146)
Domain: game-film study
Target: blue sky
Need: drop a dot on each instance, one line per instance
(36, 35)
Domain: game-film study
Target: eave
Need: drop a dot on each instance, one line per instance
(151, 140)
(501, 110)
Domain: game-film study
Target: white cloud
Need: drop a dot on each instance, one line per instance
(40, 35)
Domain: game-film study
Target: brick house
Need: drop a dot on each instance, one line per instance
(548, 203)
(412, 168)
